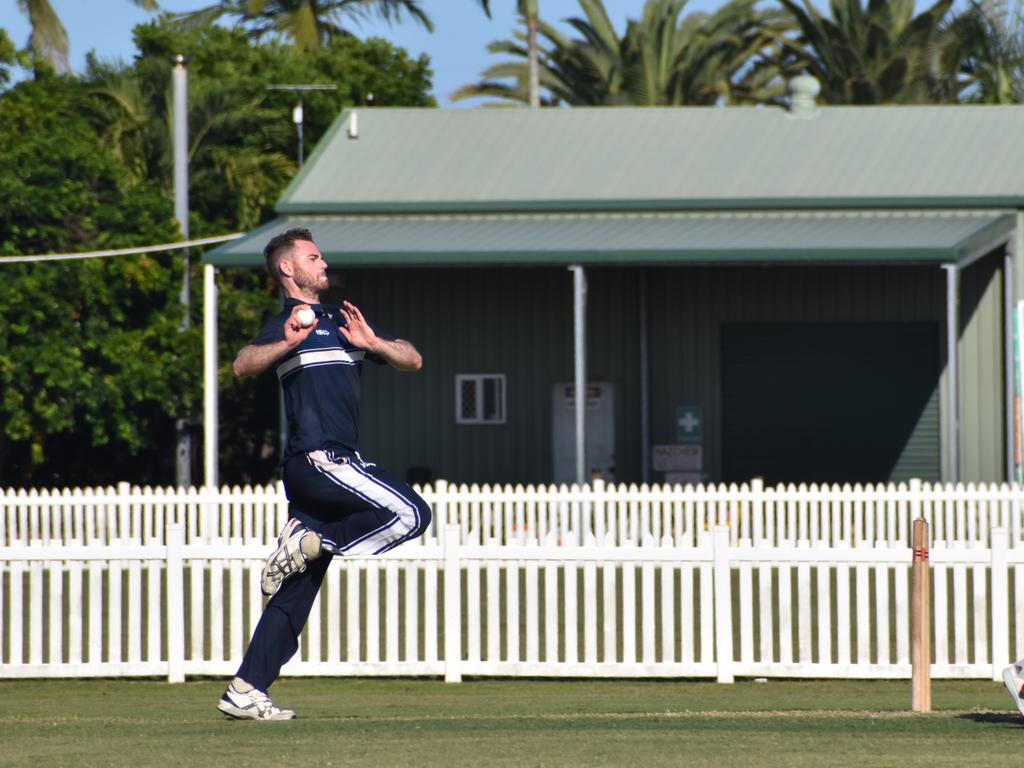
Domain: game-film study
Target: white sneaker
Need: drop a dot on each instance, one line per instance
(251, 705)
(288, 559)
(1013, 679)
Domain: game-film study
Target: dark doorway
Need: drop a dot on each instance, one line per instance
(844, 402)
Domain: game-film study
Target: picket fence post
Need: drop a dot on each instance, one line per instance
(723, 604)
(1000, 603)
(175, 618)
(452, 605)
(440, 505)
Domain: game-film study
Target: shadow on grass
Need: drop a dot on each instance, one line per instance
(1009, 719)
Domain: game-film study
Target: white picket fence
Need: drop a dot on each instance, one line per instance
(600, 580)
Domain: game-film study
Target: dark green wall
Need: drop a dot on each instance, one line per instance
(518, 321)
(982, 389)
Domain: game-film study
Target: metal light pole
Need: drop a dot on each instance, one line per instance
(297, 112)
(183, 454)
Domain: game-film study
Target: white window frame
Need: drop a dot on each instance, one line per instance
(479, 379)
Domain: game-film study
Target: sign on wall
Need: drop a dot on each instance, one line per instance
(678, 458)
(689, 424)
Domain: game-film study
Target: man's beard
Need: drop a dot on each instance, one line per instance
(318, 284)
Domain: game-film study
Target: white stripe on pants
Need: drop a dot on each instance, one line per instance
(353, 478)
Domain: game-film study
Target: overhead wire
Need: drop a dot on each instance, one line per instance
(122, 251)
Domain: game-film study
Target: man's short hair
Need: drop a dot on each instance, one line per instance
(280, 244)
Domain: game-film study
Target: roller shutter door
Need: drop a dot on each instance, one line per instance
(830, 402)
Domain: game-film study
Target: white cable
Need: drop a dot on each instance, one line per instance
(122, 251)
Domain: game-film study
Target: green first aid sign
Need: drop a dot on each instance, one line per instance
(689, 424)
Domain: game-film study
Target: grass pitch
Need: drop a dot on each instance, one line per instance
(426, 723)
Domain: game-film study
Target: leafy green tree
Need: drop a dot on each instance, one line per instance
(878, 54)
(92, 368)
(9, 57)
(48, 40)
(308, 24)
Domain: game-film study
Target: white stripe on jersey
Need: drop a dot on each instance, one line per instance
(320, 357)
(350, 476)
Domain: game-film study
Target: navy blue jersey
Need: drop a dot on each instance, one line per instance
(320, 379)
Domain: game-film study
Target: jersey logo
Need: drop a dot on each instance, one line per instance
(322, 332)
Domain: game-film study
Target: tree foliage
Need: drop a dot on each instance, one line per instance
(987, 51)
(880, 53)
(92, 369)
(861, 51)
(665, 57)
(48, 41)
(308, 24)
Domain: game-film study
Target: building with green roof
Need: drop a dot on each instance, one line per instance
(805, 294)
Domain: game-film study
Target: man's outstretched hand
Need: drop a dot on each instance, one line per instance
(359, 331)
(398, 353)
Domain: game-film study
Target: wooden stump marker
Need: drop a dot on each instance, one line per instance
(921, 622)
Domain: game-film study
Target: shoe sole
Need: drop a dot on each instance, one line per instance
(286, 532)
(1012, 689)
(241, 714)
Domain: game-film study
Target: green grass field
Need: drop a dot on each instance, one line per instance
(511, 723)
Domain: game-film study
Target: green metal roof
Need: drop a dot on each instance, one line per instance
(641, 238)
(665, 158)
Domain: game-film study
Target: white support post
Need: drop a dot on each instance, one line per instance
(211, 432)
(723, 605)
(1000, 603)
(580, 367)
(953, 371)
(1010, 405)
(1018, 391)
(175, 618)
(452, 606)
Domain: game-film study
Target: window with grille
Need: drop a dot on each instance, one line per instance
(480, 398)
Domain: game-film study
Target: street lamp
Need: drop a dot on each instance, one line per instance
(297, 111)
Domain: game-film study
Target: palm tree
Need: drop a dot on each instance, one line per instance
(306, 23)
(873, 55)
(134, 116)
(48, 40)
(530, 11)
(663, 58)
(700, 58)
(987, 52)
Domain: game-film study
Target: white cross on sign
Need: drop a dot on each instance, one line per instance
(689, 422)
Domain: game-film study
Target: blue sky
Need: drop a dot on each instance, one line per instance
(457, 48)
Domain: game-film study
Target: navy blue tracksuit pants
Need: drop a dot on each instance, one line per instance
(358, 509)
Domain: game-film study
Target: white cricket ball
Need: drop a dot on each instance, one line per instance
(305, 317)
